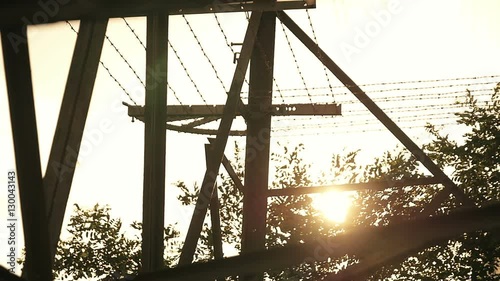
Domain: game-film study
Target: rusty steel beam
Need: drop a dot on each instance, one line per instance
(71, 123)
(198, 111)
(207, 187)
(40, 12)
(247, 6)
(154, 143)
(38, 265)
(374, 185)
(407, 238)
(450, 186)
(257, 150)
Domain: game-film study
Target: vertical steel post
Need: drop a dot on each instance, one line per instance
(29, 172)
(258, 139)
(214, 214)
(154, 143)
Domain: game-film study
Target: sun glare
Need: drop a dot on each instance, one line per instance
(334, 205)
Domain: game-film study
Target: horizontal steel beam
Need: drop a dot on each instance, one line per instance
(237, 6)
(197, 111)
(31, 12)
(374, 185)
(407, 238)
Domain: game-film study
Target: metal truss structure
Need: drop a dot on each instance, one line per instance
(44, 199)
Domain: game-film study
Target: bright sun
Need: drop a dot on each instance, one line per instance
(333, 205)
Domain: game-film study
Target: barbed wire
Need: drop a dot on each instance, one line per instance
(412, 119)
(125, 60)
(204, 53)
(135, 34)
(145, 48)
(398, 93)
(189, 76)
(415, 88)
(351, 131)
(108, 71)
(227, 40)
(321, 122)
(317, 43)
(296, 63)
(356, 123)
(395, 96)
(406, 82)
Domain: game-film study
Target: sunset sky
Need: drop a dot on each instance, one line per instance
(372, 41)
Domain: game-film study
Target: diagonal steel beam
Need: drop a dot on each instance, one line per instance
(232, 174)
(71, 123)
(408, 238)
(197, 111)
(450, 186)
(230, 170)
(209, 179)
(29, 172)
(214, 214)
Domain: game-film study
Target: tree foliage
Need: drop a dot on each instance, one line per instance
(474, 161)
(97, 247)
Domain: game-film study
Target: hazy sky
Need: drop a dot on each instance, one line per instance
(373, 41)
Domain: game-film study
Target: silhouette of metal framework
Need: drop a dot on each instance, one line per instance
(44, 199)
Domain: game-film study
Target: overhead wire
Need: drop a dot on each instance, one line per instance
(398, 92)
(407, 82)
